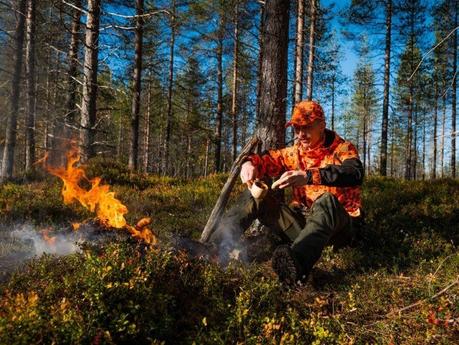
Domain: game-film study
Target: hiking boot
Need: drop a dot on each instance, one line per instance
(286, 265)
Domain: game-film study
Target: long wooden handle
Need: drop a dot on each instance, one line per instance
(222, 200)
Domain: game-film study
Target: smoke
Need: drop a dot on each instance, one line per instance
(255, 244)
(227, 237)
(21, 242)
(58, 243)
(224, 245)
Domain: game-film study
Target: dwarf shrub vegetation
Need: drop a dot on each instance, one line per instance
(396, 286)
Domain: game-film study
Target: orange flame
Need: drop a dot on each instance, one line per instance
(109, 210)
(51, 240)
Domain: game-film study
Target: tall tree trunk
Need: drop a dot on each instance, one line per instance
(244, 127)
(146, 137)
(298, 81)
(423, 146)
(136, 89)
(409, 140)
(435, 125)
(333, 104)
(274, 74)
(56, 123)
(414, 158)
(119, 139)
(369, 137)
(364, 136)
(30, 81)
(159, 147)
(206, 160)
(453, 97)
(46, 141)
(91, 63)
(392, 152)
(442, 142)
(188, 172)
(235, 81)
(72, 85)
(165, 164)
(260, 57)
(385, 114)
(312, 30)
(12, 120)
(219, 119)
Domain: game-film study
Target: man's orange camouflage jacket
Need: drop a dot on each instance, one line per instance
(333, 167)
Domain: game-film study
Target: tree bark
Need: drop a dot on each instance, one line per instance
(72, 85)
(414, 159)
(453, 97)
(271, 122)
(298, 82)
(423, 146)
(435, 125)
(146, 138)
(235, 81)
(333, 104)
(409, 138)
(443, 125)
(385, 114)
(219, 118)
(165, 164)
(312, 29)
(136, 89)
(30, 84)
(12, 120)
(365, 116)
(260, 57)
(89, 99)
(206, 159)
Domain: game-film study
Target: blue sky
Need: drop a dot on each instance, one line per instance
(350, 58)
(118, 64)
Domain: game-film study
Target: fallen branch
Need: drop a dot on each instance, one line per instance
(222, 200)
(441, 292)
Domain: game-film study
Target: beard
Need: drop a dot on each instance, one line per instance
(310, 144)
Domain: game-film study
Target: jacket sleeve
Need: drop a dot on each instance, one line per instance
(349, 173)
(270, 162)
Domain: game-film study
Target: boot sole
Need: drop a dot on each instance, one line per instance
(284, 265)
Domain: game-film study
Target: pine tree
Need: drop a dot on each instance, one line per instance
(364, 101)
(11, 126)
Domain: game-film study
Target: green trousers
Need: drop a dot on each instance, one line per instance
(327, 223)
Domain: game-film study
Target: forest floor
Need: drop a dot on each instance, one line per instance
(399, 285)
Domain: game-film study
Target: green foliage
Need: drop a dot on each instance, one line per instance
(122, 293)
(39, 202)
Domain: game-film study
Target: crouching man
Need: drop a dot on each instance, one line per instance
(325, 173)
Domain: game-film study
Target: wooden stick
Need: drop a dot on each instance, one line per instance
(442, 291)
(222, 200)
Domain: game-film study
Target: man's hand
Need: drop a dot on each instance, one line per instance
(248, 173)
(292, 178)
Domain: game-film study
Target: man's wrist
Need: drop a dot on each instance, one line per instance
(314, 176)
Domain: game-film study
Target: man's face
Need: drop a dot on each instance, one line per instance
(311, 135)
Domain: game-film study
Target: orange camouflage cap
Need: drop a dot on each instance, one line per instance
(305, 113)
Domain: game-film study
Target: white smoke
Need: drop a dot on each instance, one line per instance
(229, 241)
(61, 243)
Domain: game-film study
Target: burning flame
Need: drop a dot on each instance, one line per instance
(99, 199)
(51, 240)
